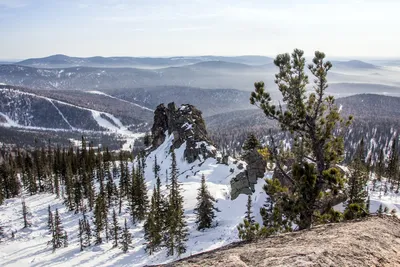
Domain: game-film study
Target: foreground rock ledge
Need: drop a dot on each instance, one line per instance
(374, 241)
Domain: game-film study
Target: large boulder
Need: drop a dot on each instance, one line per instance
(186, 124)
(244, 182)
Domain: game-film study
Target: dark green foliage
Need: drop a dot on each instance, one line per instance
(139, 198)
(99, 217)
(205, 206)
(176, 229)
(85, 233)
(65, 239)
(155, 222)
(26, 214)
(357, 182)
(316, 119)
(126, 238)
(381, 166)
(354, 211)
(50, 223)
(115, 229)
(152, 231)
(1, 233)
(59, 238)
(249, 212)
(250, 230)
(393, 165)
(251, 143)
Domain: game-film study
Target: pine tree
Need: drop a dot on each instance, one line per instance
(1, 233)
(126, 238)
(205, 206)
(142, 197)
(251, 143)
(88, 231)
(58, 232)
(249, 230)
(65, 239)
(99, 215)
(380, 170)
(152, 233)
(85, 233)
(25, 214)
(50, 223)
(177, 232)
(155, 222)
(81, 234)
(357, 193)
(393, 165)
(115, 229)
(315, 118)
(249, 212)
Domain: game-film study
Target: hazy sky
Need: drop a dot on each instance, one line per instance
(348, 28)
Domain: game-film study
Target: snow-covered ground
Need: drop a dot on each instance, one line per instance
(391, 200)
(30, 248)
(110, 96)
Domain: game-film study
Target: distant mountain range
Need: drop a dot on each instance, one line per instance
(57, 61)
(205, 74)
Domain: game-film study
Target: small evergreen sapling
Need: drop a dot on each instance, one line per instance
(249, 230)
(126, 238)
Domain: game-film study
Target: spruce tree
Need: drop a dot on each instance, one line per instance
(142, 197)
(393, 165)
(25, 214)
(315, 118)
(205, 207)
(50, 223)
(251, 143)
(65, 239)
(155, 222)
(381, 166)
(59, 237)
(152, 235)
(1, 233)
(126, 238)
(115, 229)
(177, 232)
(99, 215)
(81, 234)
(356, 192)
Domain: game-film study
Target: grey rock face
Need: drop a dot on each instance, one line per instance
(244, 182)
(186, 124)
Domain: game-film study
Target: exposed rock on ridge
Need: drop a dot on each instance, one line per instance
(373, 241)
(244, 182)
(186, 124)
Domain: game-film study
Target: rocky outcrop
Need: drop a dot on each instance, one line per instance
(186, 124)
(244, 182)
(374, 241)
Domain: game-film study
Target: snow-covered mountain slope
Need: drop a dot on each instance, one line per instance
(29, 246)
(25, 110)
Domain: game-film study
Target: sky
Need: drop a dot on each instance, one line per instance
(340, 28)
